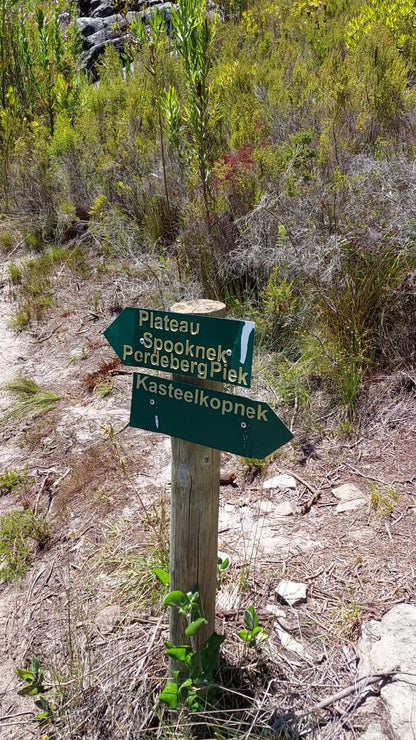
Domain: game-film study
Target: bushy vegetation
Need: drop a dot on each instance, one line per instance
(270, 155)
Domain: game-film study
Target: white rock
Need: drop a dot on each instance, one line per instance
(374, 732)
(390, 645)
(291, 593)
(108, 618)
(280, 481)
(276, 611)
(288, 642)
(283, 509)
(357, 503)
(349, 492)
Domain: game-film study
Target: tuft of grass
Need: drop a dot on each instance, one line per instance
(17, 529)
(382, 497)
(32, 284)
(349, 618)
(29, 398)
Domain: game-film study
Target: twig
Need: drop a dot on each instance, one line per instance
(44, 339)
(358, 686)
(300, 480)
(304, 508)
(43, 484)
(379, 480)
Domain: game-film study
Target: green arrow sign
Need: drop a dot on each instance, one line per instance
(204, 347)
(211, 418)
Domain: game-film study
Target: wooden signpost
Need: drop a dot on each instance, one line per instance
(203, 350)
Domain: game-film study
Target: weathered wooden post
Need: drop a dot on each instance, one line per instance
(193, 410)
(194, 509)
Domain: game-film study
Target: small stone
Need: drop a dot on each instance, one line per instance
(284, 509)
(291, 593)
(348, 492)
(288, 642)
(108, 618)
(280, 481)
(357, 503)
(388, 646)
(374, 732)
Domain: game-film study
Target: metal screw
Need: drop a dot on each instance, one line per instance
(228, 352)
(141, 340)
(243, 425)
(152, 401)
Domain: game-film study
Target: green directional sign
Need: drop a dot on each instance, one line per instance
(204, 347)
(226, 422)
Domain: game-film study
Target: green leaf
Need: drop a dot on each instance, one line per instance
(185, 684)
(29, 690)
(244, 635)
(194, 626)
(169, 695)
(24, 674)
(210, 654)
(176, 598)
(162, 575)
(250, 617)
(179, 652)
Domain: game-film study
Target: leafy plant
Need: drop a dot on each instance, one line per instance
(194, 684)
(278, 304)
(154, 43)
(17, 528)
(12, 480)
(34, 686)
(253, 633)
(193, 38)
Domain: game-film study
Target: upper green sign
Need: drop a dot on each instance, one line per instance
(204, 347)
(231, 423)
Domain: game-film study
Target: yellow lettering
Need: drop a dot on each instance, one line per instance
(188, 396)
(215, 367)
(250, 412)
(127, 350)
(178, 393)
(239, 409)
(143, 316)
(147, 339)
(226, 407)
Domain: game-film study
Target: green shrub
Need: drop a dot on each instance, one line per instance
(17, 529)
(12, 480)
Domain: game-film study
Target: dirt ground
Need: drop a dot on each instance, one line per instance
(85, 603)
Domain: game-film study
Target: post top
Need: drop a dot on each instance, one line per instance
(200, 306)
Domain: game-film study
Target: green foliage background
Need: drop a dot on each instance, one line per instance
(285, 135)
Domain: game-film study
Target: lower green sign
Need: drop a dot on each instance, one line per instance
(231, 423)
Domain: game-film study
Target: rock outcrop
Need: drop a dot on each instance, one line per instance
(103, 22)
